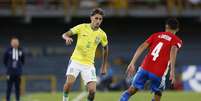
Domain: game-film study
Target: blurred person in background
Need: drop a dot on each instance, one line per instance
(119, 5)
(103, 3)
(195, 3)
(89, 36)
(71, 4)
(14, 60)
(18, 4)
(163, 48)
(88, 3)
(106, 80)
(40, 3)
(54, 4)
(122, 84)
(175, 4)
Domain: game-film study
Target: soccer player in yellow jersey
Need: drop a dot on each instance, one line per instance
(89, 35)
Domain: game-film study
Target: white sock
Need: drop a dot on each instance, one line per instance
(65, 98)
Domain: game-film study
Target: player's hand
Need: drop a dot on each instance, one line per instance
(103, 70)
(130, 70)
(172, 77)
(69, 40)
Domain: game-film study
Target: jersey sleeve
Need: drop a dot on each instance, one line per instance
(150, 39)
(76, 29)
(177, 42)
(104, 40)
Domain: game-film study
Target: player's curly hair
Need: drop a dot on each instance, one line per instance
(97, 11)
(173, 23)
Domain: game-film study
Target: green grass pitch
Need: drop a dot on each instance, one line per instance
(114, 96)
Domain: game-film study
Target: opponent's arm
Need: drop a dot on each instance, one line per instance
(131, 67)
(173, 55)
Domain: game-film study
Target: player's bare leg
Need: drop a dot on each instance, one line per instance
(128, 93)
(91, 87)
(132, 90)
(67, 86)
(157, 96)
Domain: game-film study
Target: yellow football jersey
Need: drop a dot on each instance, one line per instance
(87, 42)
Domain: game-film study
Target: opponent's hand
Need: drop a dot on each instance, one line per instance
(172, 77)
(130, 70)
(69, 40)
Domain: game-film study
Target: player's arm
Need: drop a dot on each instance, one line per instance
(131, 67)
(67, 36)
(105, 60)
(173, 55)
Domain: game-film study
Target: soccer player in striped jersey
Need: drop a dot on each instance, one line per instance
(163, 47)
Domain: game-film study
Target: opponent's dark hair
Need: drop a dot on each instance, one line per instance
(173, 23)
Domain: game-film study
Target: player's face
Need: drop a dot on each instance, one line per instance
(15, 43)
(96, 20)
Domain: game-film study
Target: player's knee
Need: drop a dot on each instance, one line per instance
(158, 93)
(91, 90)
(132, 90)
(69, 82)
(67, 86)
(70, 79)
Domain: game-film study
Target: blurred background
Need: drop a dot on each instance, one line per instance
(39, 25)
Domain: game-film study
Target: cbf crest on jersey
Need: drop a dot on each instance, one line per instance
(97, 40)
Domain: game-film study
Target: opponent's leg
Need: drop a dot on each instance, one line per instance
(138, 83)
(128, 93)
(157, 96)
